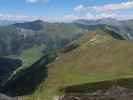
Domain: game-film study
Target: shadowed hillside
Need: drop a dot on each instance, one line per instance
(7, 67)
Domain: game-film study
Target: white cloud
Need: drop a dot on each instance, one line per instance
(66, 18)
(22, 17)
(15, 17)
(35, 1)
(106, 7)
(104, 11)
(113, 7)
(89, 16)
(79, 8)
(31, 1)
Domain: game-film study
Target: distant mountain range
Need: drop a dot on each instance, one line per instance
(122, 27)
(54, 56)
(9, 22)
(16, 36)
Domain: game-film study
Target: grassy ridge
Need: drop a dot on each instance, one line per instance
(99, 59)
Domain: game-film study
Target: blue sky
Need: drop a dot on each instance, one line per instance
(65, 10)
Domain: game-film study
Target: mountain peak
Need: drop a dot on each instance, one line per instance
(33, 25)
(38, 21)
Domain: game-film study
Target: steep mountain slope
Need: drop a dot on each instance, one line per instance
(31, 41)
(107, 21)
(14, 40)
(13, 66)
(8, 22)
(34, 25)
(98, 58)
(122, 27)
(20, 36)
(7, 66)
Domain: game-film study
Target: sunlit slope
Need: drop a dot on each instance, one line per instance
(98, 58)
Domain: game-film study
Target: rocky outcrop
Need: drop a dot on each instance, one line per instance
(5, 97)
(113, 93)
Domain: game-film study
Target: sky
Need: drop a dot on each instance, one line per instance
(65, 10)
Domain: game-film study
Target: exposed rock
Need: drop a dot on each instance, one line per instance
(113, 93)
(5, 97)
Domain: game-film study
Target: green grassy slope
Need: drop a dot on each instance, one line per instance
(99, 58)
